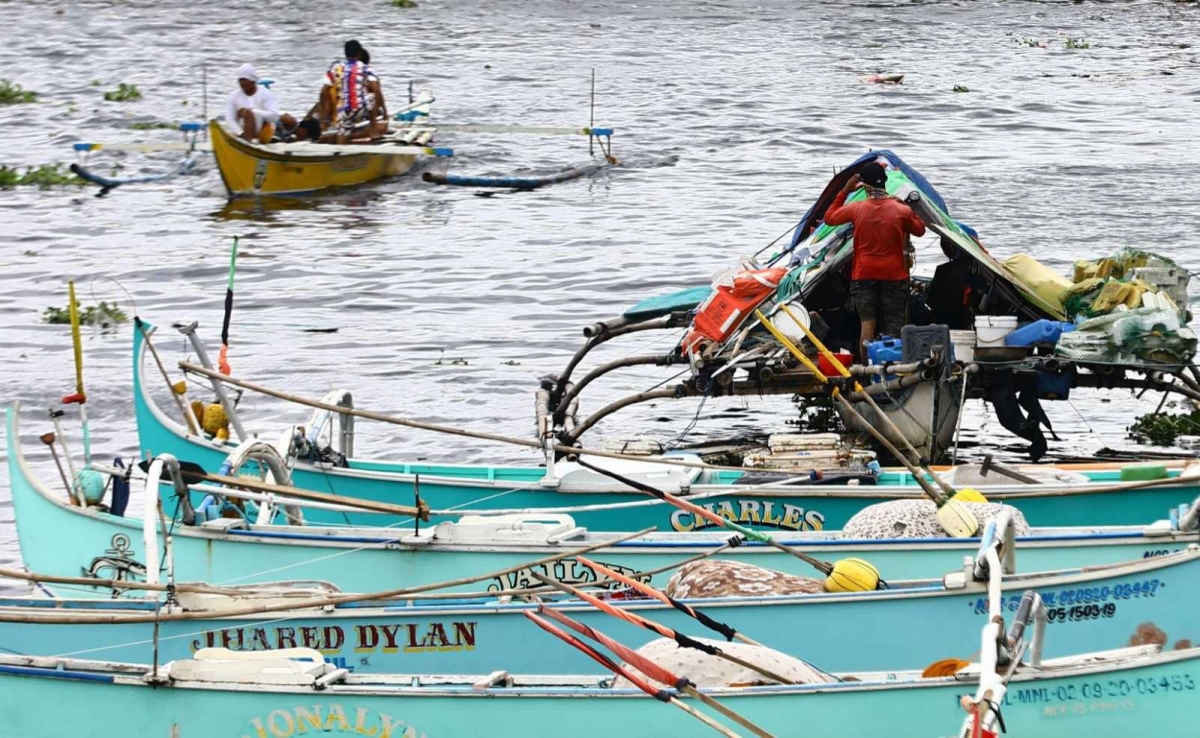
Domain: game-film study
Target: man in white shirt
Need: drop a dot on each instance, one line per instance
(252, 108)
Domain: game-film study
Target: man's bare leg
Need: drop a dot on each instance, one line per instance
(866, 335)
(249, 125)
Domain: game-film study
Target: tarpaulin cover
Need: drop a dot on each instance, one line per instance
(817, 211)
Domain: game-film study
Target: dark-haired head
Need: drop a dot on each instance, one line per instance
(308, 129)
(352, 48)
(364, 56)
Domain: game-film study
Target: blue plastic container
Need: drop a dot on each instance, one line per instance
(884, 350)
(1038, 332)
(1053, 386)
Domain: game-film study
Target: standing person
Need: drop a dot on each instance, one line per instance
(879, 273)
(252, 107)
(344, 93)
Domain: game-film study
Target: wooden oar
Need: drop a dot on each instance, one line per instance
(661, 695)
(655, 671)
(193, 472)
(725, 630)
(953, 516)
(681, 638)
(871, 582)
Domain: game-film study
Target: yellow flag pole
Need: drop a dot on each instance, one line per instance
(80, 397)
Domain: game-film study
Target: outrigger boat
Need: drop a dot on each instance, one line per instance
(1078, 495)
(219, 693)
(482, 631)
(252, 168)
(279, 169)
(1130, 316)
(251, 548)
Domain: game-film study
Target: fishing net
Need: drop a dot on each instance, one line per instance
(918, 519)
(723, 578)
(708, 671)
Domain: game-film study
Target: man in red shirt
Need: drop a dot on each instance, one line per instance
(879, 273)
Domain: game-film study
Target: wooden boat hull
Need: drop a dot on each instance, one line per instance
(1107, 696)
(252, 169)
(790, 508)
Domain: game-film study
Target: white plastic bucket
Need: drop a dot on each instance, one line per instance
(964, 345)
(990, 330)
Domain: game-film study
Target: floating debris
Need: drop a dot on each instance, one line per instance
(883, 79)
(153, 126)
(12, 93)
(961, 88)
(442, 360)
(404, 3)
(1031, 42)
(123, 93)
(1077, 43)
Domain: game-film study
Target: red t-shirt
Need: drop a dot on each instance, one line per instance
(881, 230)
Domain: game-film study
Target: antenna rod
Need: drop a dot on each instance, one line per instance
(592, 115)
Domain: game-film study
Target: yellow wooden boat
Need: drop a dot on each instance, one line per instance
(252, 168)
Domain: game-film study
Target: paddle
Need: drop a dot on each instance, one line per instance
(952, 515)
(846, 573)
(48, 439)
(223, 356)
(655, 671)
(725, 630)
(662, 630)
(661, 695)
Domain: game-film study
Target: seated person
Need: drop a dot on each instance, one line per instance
(292, 130)
(955, 291)
(252, 107)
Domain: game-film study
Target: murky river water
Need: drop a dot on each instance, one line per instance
(730, 118)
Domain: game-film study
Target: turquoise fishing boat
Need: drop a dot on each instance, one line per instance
(1112, 694)
(228, 551)
(1092, 604)
(1074, 496)
(1101, 607)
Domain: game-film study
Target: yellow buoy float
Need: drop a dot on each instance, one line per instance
(852, 575)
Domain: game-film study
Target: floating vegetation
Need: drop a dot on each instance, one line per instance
(510, 362)
(153, 125)
(106, 315)
(442, 360)
(961, 88)
(1162, 429)
(817, 415)
(1077, 43)
(47, 175)
(12, 93)
(1031, 42)
(404, 3)
(123, 93)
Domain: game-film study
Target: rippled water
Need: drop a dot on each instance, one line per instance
(730, 118)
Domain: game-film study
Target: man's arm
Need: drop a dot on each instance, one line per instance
(231, 112)
(916, 226)
(839, 212)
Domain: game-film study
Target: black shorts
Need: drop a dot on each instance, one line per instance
(884, 301)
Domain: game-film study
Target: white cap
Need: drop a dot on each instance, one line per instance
(246, 71)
